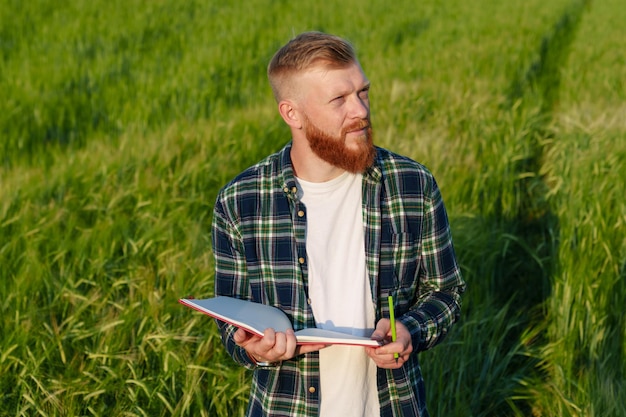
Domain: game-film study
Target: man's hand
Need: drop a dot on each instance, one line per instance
(383, 356)
(272, 346)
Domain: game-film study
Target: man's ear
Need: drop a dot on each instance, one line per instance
(289, 112)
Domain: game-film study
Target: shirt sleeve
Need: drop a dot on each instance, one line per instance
(438, 304)
(230, 275)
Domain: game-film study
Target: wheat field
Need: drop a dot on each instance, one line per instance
(120, 120)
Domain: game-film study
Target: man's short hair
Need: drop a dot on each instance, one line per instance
(306, 51)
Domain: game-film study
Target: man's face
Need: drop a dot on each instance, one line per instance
(336, 117)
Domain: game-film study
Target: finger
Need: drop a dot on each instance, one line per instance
(391, 348)
(280, 345)
(267, 342)
(242, 337)
(383, 327)
(388, 361)
(385, 356)
(291, 344)
(383, 361)
(306, 348)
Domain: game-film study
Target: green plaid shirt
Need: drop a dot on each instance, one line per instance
(259, 230)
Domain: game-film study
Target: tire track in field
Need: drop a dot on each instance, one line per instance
(542, 81)
(543, 76)
(533, 95)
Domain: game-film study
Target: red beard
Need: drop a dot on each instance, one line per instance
(334, 151)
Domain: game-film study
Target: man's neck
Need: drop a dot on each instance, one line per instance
(310, 167)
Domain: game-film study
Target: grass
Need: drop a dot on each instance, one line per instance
(122, 119)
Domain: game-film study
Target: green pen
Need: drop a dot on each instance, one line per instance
(392, 320)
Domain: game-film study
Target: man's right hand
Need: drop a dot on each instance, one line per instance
(272, 346)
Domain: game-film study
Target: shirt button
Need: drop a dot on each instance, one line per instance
(308, 300)
(311, 390)
(300, 213)
(301, 260)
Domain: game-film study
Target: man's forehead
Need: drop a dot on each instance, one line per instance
(333, 77)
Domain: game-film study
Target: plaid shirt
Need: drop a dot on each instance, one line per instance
(259, 231)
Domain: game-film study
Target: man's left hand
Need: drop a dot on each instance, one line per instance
(383, 356)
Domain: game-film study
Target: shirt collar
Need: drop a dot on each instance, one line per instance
(375, 172)
(287, 177)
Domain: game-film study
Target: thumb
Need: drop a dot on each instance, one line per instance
(382, 329)
(241, 336)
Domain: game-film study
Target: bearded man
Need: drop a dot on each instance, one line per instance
(326, 229)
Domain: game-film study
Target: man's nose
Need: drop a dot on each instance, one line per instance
(359, 107)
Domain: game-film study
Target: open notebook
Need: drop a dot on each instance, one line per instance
(256, 317)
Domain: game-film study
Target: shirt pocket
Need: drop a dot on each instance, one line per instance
(399, 265)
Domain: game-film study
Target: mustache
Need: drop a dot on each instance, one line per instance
(358, 125)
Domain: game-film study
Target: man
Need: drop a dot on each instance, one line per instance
(326, 229)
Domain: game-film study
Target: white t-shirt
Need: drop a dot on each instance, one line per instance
(340, 293)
